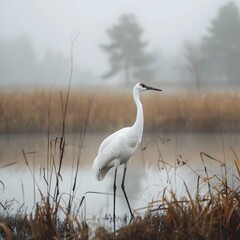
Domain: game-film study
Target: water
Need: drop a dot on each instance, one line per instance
(165, 160)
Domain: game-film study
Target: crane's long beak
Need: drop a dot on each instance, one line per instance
(152, 88)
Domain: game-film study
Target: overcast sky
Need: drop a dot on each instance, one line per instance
(52, 23)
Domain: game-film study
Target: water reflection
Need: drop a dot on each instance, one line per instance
(167, 161)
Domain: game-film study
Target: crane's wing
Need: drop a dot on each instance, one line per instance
(108, 140)
(108, 154)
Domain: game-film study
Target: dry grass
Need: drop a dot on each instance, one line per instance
(211, 214)
(22, 112)
(215, 214)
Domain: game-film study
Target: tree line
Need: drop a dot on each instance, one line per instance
(19, 63)
(215, 57)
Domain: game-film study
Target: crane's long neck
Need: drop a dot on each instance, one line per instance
(138, 125)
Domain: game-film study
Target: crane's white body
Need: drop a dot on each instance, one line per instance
(119, 147)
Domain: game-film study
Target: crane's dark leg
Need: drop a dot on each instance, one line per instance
(114, 200)
(123, 188)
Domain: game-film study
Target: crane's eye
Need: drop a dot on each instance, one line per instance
(142, 85)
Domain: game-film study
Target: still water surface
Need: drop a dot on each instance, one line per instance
(155, 166)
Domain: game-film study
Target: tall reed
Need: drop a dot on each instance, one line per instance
(26, 112)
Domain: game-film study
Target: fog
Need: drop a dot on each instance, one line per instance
(185, 45)
(39, 34)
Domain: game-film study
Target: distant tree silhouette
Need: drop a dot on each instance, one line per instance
(193, 63)
(19, 64)
(221, 46)
(127, 50)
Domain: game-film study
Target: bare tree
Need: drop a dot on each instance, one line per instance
(193, 63)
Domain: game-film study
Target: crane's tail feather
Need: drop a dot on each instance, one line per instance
(98, 172)
(102, 173)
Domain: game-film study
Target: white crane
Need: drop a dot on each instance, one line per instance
(119, 147)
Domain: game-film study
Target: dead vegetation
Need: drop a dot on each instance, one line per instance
(210, 214)
(26, 112)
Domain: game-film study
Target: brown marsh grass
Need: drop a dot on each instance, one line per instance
(27, 112)
(210, 214)
(213, 212)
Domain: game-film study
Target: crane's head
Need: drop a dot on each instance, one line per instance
(140, 87)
